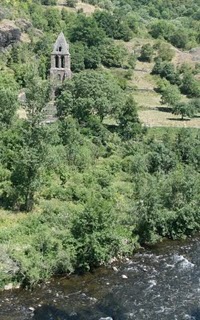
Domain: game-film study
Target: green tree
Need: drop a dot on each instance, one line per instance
(165, 51)
(42, 48)
(160, 158)
(190, 86)
(77, 51)
(49, 2)
(8, 98)
(184, 109)
(158, 66)
(106, 20)
(94, 232)
(53, 17)
(169, 72)
(92, 58)
(114, 25)
(187, 148)
(162, 29)
(85, 29)
(170, 95)
(196, 104)
(179, 38)
(90, 93)
(129, 124)
(8, 105)
(30, 154)
(112, 55)
(72, 3)
(147, 52)
(38, 18)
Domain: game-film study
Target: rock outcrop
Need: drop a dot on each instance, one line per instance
(8, 267)
(195, 53)
(9, 33)
(23, 24)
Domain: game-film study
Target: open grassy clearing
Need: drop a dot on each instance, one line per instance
(153, 118)
(150, 109)
(190, 57)
(147, 99)
(141, 77)
(88, 9)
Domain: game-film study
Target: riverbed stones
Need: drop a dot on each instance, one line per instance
(31, 309)
(107, 318)
(8, 286)
(115, 269)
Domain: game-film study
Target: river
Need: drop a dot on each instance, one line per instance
(160, 283)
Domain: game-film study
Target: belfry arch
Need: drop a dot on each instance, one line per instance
(60, 61)
(57, 61)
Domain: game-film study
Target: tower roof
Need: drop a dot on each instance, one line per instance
(61, 46)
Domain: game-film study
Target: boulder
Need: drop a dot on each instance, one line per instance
(23, 24)
(195, 54)
(9, 33)
(8, 286)
(8, 267)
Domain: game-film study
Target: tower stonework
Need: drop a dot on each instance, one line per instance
(60, 70)
(60, 61)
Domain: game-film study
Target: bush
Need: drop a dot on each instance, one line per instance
(146, 53)
(184, 109)
(71, 3)
(94, 231)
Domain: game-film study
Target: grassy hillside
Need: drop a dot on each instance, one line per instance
(98, 182)
(137, 21)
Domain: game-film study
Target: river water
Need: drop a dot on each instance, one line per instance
(160, 283)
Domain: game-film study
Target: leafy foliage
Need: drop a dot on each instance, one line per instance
(95, 184)
(89, 93)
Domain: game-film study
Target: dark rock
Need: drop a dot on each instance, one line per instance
(9, 33)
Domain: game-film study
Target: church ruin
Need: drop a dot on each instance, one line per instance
(60, 61)
(60, 70)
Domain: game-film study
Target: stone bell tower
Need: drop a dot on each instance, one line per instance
(60, 61)
(60, 70)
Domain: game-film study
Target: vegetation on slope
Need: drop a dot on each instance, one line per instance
(96, 184)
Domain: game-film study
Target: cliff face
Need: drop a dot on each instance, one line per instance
(9, 33)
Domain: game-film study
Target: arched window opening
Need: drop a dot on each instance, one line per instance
(57, 92)
(62, 62)
(60, 49)
(57, 61)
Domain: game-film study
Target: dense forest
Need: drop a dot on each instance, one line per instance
(97, 183)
